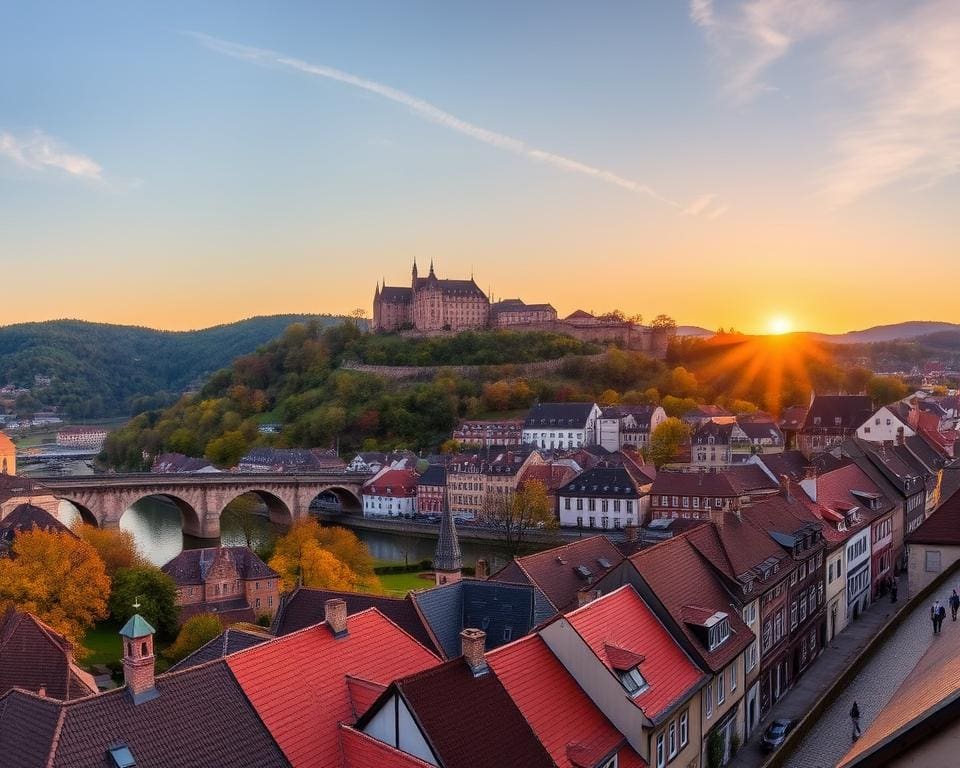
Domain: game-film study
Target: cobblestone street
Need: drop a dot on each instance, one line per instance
(830, 738)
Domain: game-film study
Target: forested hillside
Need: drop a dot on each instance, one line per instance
(98, 370)
(298, 382)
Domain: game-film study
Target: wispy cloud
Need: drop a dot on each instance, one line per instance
(749, 36)
(906, 73)
(39, 152)
(432, 113)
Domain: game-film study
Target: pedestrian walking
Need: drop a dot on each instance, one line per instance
(954, 604)
(855, 716)
(935, 616)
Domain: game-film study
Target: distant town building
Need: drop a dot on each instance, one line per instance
(431, 304)
(8, 456)
(82, 437)
(619, 426)
(561, 425)
(177, 463)
(484, 434)
(830, 419)
(510, 313)
(606, 498)
(291, 460)
(390, 493)
(432, 490)
(230, 581)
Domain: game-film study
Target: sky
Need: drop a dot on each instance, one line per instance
(760, 164)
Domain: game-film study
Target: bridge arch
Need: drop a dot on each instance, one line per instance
(278, 510)
(82, 510)
(191, 519)
(336, 498)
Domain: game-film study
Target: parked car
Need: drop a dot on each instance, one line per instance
(776, 734)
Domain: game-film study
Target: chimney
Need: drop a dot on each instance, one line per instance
(632, 532)
(482, 569)
(42, 691)
(473, 643)
(138, 659)
(785, 488)
(585, 596)
(335, 615)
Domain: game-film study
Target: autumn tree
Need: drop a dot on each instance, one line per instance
(57, 577)
(664, 322)
(195, 633)
(514, 516)
(116, 547)
(152, 590)
(667, 440)
(310, 556)
(884, 390)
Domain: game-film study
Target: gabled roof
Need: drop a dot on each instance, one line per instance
(792, 463)
(942, 527)
(191, 566)
(683, 581)
(397, 483)
(26, 517)
(603, 480)
(493, 733)
(850, 410)
(231, 640)
(749, 479)
(298, 683)
(305, 607)
(740, 551)
(623, 620)
(558, 415)
(693, 484)
(436, 475)
(761, 429)
(552, 474)
(34, 655)
(792, 418)
(201, 717)
(396, 294)
(576, 733)
(719, 433)
(555, 571)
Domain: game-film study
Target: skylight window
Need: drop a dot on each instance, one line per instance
(719, 633)
(632, 681)
(121, 756)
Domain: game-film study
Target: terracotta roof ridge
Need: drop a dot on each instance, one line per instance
(55, 741)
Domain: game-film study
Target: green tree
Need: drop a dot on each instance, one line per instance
(667, 440)
(195, 633)
(886, 389)
(153, 590)
(227, 450)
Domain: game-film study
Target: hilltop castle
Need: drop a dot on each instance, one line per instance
(431, 304)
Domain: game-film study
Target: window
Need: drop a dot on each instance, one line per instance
(778, 625)
(793, 615)
(507, 633)
(566, 503)
(708, 700)
(633, 681)
(661, 757)
(258, 602)
(672, 739)
(719, 633)
(684, 728)
(721, 692)
(752, 656)
(733, 676)
(767, 635)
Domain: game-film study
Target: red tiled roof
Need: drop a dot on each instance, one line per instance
(693, 484)
(554, 573)
(678, 575)
(362, 751)
(536, 681)
(396, 483)
(621, 618)
(298, 683)
(552, 475)
(362, 694)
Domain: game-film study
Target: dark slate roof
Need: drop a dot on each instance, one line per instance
(612, 481)
(436, 475)
(447, 556)
(452, 287)
(516, 305)
(178, 462)
(396, 294)
(201, 717)
(942, 527)
(495, 733)
(558, 415)
(761, 430)
(793, 464)
(851, 410)
(721, 433)
(229, 641)
(487, 605)
(25, 517)
(33, 655)
(292, 458)
(192, 565)
(305, 607)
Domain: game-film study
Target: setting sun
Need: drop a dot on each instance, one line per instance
(779, 324)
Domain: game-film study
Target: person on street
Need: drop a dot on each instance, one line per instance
(954, 604)
(935, 616)
(855, 716)
(943, 615)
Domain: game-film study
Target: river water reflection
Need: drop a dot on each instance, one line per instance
(155, 524)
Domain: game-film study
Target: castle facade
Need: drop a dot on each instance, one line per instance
(431, 304)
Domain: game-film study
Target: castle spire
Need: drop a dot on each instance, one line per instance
(431, 267)
(414, 269)
(447, 560)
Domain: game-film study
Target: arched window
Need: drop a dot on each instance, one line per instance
(143, 649)
(129, 648)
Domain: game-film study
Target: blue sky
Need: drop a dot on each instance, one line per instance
(182, 164)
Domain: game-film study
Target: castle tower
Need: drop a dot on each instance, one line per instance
(138, 659)
(414, 283)
(447, 560)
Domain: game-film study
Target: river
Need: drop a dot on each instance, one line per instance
(155, 524)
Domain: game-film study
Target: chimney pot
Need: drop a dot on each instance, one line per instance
(42, 691)
(335, 615)
(473, 643)
(785, 487)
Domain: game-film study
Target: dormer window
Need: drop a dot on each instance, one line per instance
(632, 681)
(121, 756)
(719, 633)
(816, 421)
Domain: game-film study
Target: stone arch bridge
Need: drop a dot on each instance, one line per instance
(201, 498)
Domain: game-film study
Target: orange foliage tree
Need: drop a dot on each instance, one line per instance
(58, 578)
(116, 547)
(324, 558)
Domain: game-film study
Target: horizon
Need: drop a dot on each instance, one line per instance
(726, 163)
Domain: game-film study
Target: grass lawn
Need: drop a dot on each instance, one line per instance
(103, 642)
(401, 583)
